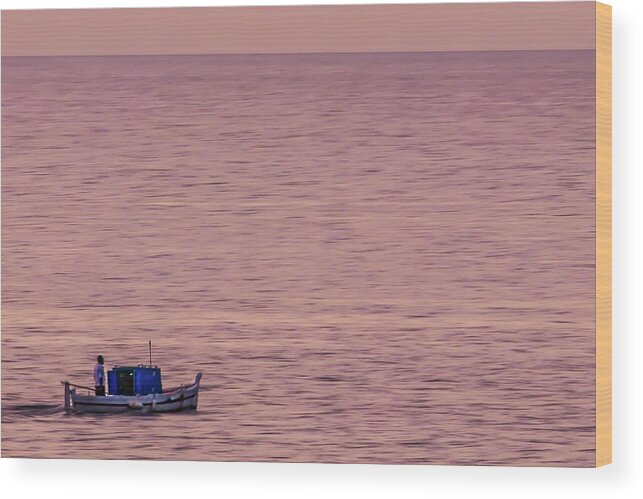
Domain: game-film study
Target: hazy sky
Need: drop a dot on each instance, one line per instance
(370, 28)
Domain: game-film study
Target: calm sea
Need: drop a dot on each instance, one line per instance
(371, 257)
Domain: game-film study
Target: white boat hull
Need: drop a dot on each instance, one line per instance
(179, 399)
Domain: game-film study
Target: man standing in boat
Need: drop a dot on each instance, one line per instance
(99, 376)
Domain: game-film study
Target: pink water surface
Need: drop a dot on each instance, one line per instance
(376, 258)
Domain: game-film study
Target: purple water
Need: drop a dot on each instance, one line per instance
(371, 257)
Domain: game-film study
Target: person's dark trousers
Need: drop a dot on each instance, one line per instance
(100, 390)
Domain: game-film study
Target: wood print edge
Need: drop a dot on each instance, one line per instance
(603, 234)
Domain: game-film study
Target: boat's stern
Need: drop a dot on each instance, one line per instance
(69, 397)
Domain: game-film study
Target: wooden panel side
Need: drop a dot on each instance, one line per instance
(603, 234)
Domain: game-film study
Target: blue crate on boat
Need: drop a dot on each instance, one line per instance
(139, 380)
(112, 382)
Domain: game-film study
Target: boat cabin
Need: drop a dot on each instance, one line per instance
(138, 380)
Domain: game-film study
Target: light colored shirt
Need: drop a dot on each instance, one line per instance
(99, 375)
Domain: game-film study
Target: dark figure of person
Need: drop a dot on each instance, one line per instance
(99, 376)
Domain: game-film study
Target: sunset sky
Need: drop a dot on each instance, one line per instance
(366, 28)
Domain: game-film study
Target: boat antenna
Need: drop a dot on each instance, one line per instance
(150, 353)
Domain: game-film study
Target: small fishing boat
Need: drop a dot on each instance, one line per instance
(172, 400)
(133, 388)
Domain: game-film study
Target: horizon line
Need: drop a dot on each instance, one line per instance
(202, 54)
